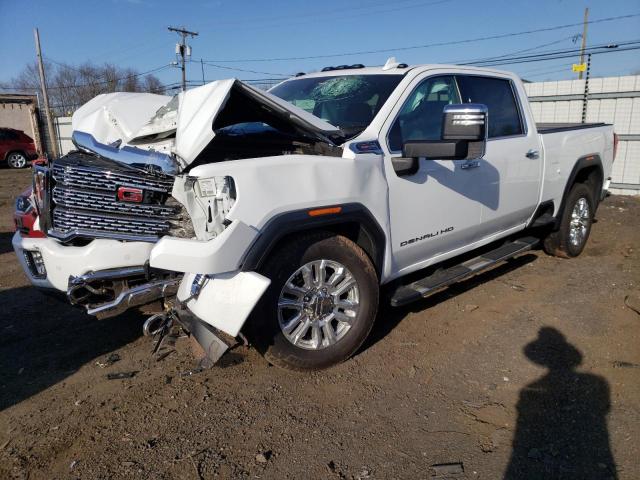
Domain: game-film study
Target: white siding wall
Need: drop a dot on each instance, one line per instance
(622, 111)
(64, 131)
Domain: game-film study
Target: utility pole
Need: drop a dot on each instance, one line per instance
(183, 50)
(584, 39)
(45, 96)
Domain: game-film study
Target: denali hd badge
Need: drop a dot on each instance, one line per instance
(130, 194)
(426, 236)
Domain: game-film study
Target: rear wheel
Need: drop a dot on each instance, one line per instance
(16, 160)
(575, 225)
(321, 303)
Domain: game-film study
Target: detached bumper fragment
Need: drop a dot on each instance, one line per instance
(223, 301)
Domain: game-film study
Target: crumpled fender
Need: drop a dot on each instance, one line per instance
(218, 255)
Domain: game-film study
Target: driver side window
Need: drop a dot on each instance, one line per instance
(421, 116)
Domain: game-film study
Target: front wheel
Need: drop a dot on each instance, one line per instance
(575, 225)
(320, 306)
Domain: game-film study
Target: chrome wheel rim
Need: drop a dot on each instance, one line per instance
(17, 160)
(318, 304)
(580, 219)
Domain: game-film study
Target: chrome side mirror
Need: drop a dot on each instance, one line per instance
(467, 121)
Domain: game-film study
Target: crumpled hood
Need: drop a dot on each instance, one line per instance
(181, 126)
(117, 116)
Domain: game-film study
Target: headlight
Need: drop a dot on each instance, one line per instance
(217, 195)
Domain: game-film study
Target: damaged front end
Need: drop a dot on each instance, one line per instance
(127, 188)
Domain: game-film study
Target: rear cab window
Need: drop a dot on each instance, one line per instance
(498, 95)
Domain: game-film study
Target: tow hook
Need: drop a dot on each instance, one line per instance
(208, 343)
(155, 324)
(161, 326)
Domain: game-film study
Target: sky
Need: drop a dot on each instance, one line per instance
(235, 33)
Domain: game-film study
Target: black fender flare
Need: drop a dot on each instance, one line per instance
(583, 163)
(370, 235)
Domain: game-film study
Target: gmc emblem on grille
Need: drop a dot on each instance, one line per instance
(129, 194)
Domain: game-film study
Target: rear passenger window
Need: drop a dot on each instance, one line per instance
(497, 95)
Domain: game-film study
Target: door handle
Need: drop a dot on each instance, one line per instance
(532, 154)
(470, 164)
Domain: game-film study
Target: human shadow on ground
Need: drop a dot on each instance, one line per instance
(561, 431)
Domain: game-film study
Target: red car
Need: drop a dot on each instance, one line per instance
(16, 148)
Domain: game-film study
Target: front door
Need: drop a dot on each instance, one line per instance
(437, 209)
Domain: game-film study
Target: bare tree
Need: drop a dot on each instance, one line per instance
(72, 86)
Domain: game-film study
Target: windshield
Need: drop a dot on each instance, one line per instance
(347, 101)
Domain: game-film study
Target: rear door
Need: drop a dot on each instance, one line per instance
(511, 169)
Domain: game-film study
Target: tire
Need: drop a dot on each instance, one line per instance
(311, 324)
(16, 160)
(575, 225)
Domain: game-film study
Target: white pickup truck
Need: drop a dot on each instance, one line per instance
(281, 214)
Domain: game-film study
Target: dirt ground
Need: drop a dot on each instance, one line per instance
(530, 370)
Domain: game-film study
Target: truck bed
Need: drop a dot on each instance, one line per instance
(563, 127)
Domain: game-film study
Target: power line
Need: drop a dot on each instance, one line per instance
(497, 57)
(71, 67)
(244, 70)
(430, 45)
(547, 72)
(605, 48)
(111, 80)
(545, 67)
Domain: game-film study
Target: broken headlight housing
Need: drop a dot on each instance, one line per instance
(217, 195)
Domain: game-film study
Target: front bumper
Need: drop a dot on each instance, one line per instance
(224, 301)
(63, 261)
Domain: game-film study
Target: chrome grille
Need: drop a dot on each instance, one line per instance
(98, 179)
(85, 204)
(68, 220)
(106, 202)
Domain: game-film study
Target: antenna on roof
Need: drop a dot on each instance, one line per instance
(391, 63)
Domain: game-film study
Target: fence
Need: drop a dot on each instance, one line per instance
(63, 132)
(613, 100)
